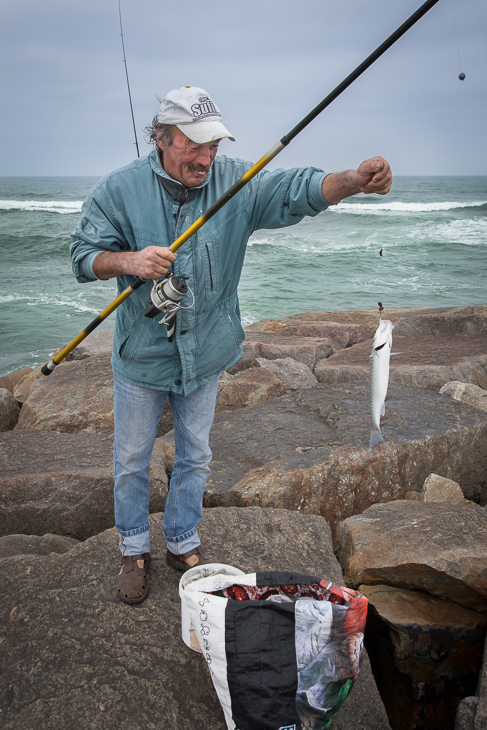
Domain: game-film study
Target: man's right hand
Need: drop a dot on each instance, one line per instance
(152, 262)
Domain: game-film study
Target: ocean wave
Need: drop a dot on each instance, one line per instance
(391, 207)
(46, 206)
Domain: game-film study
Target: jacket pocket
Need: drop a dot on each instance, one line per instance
(211, 267)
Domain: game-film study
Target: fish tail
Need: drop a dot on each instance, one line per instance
(375, 437)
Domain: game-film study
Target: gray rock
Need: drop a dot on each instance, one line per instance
(341, 335)
(271, 346)
(72, 653)
(369, 318)
(9, 410)
(11, 545)
(63, 483)
(439, 489)
(434, 547)
(247, 388)
(10, 381)
(424, 362)
(445, 324)
(291, 373)
(77, 396)
(466, 393)
(98, 343)
(305, 451)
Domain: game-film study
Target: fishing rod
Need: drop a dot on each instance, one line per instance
(164, 294)
(127, 77)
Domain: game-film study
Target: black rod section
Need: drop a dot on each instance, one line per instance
(359, 70)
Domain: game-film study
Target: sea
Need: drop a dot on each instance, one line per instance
(424, 244)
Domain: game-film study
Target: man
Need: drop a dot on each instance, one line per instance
(129, 220)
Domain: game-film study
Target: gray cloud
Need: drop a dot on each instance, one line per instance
(65, 107)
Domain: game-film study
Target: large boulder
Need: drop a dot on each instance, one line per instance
(63, 483)
(10, 381)
(9, 410)
(77, 396)
(74, 654)
(307, 450)
(271, 346)
(11, 545)
(369, 319)
(247, 388)
(466, 393)
(422, 361)
(435, 547)
(96, 344)
(425, 654)
(341, 335)
(292, 374)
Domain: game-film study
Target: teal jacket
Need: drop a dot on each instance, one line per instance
(140, 205)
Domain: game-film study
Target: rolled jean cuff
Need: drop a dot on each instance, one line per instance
(135, 542)
(183, 543)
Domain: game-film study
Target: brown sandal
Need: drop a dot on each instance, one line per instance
(132, 583)
(178, 561)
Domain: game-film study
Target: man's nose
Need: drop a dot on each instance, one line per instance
(204, 157)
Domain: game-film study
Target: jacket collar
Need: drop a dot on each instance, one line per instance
(176, 190)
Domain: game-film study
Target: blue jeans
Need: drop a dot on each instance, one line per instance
(137, 411)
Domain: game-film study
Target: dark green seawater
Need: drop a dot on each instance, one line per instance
(432, 232)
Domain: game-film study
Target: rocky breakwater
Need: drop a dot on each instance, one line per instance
(285, 435)
(307, 450)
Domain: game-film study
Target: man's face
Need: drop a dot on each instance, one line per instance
(186, 161)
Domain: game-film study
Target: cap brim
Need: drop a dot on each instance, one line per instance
(203, 132)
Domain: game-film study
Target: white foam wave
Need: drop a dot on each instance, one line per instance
(391, 207)
(47, 206)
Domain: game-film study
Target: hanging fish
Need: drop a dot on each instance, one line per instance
(379, 377)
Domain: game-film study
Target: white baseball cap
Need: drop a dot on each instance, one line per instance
(194, 113)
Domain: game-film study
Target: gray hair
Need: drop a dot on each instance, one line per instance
(158, 132)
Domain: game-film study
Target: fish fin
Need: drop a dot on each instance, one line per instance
(383, 409)
(375, 438)
(397, 353)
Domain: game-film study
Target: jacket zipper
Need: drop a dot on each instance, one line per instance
(179, 209)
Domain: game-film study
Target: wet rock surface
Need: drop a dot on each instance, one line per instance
(63, 483)
(78, 655)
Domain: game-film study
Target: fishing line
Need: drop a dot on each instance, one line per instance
(127, 77)
(249, 175)
(330, 123)
(456, 34)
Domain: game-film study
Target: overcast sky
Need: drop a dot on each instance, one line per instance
(64, 104)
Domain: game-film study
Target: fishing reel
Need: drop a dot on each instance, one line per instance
(165, 297)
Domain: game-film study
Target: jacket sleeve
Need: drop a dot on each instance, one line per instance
(98, 230)
(284, 197)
